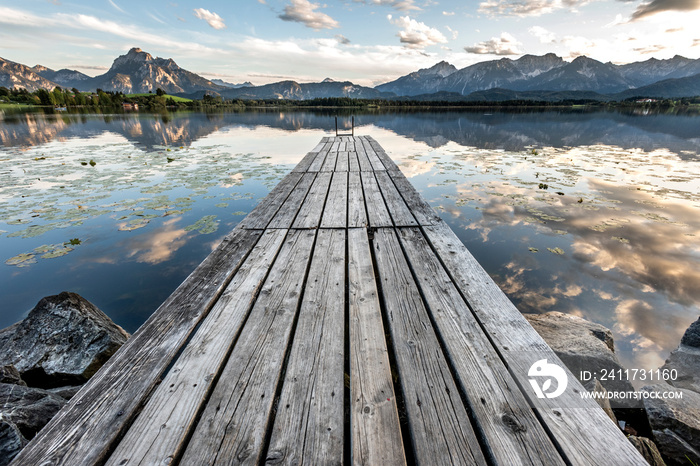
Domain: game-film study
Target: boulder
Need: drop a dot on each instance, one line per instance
(10, 374)
(648, 450)
(11, 441)
(675, 422)
(63, 341)
(685, 360)
(66, 392)
(594, 386)
(584, 346)
(28, 408)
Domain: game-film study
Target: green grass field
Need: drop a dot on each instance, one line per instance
(167, 96)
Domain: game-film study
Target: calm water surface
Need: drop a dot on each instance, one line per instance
(589, 213)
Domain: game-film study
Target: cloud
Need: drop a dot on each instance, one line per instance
(545, 36)
(448, 13)
(400, 5)
(212, 18)
(659, 6)
(454, 33)
(415, 34)
(303, 11)
(523, 8)
(342, 39)
(650, 49)
(504, 45)
(116, 6)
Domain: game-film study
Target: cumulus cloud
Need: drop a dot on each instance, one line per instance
(504, 45)
(303, 11)
(448, 13)
(210, 17)
(415, 34)
(545, 36)
(523, 8)
(659, 6)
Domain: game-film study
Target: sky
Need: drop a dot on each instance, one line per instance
(365, 41)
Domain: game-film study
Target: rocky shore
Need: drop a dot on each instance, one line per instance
(45, 359)
(664, 430)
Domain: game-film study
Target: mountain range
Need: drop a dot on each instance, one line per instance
(546, 77)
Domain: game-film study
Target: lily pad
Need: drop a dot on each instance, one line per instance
(21, 260)
(558, 251)
(204, 225)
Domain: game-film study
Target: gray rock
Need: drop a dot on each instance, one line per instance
(66, 392)
(10, 374)
(64, 341)
(685, 360)
(691, 337)
(11, 441)
(675, 422)
(583, 346)
(28, 408)
(648, 450)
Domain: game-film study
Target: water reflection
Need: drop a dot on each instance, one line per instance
(599, 231)
(509, 130)
(590, 213)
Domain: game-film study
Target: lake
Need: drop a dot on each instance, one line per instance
(590, 213)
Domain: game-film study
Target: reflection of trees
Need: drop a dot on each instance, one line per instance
(489, 129)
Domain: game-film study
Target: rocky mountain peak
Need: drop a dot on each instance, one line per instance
(328, 80)
(441, 69)
(135, 57)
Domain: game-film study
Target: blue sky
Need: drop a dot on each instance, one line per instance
(365, 41)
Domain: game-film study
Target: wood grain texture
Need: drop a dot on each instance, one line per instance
(579, 426)
(335, 214)
(353, 164)
(400, 213)
(421, 210)
(320, 159)
(388, 163)
(377, 213)
(85, 429)
(511, 430)
(331, 159)
(357, 216)
(374, 160)
(362, 159)
(179, 397)
(439, 424)
(309, 215)
(234, 422)
(342, 163)
(288, 210)
(308, 427)
(376, 434)
(268, 207)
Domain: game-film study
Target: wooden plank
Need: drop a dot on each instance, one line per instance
(309, 215)
(306, 162)
(395, 204)
(320, 158)
(353, 164)
(508, 425)
(377, 214)
(285, 215)
(335, 145)
(308, 427)
(357, 216)
(233, 425)
(84, 430)
(438, 421)
(579, 426)
(336, 210)
(362, 159)
(376, 435)
(421, 210)
(350, 144)
(374, 160)
(180, 396)
(341, 164)
(329, 164)
(268, 207)
(389, 164)
(342, 145)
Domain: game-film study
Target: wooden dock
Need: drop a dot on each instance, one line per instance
(341, 321)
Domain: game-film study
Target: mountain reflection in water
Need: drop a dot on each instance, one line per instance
(585, 212)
